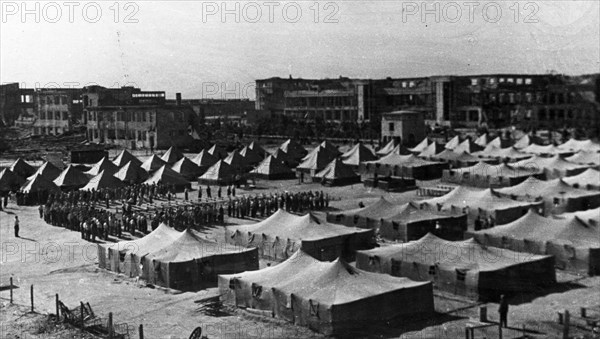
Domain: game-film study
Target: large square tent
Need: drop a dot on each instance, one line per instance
(293, 149)
(272, 168)
(461, 267)
(283, 233)
(585, 158)
(337, 173)
(456, 159)
(485, 175)
(402, 222)
(574, 145)
(558, 196)
(167, 176)
(36, 190)
(357, 154)
(409, 166)
(575, 243)
(555, 167)
(316, 160)
(191, 262)
(125, 256)
(333, 298)
(9, 181)
(478, 202)
(589, 180)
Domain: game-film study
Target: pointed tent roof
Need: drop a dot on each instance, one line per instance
(205, 159)
(400, 149)
(281, 155)
(317, 160)
(336, 169)
(453, 143)
(386, 149)
(103, 165)
(467, 146)
(420, 147)
(217, 151)
(450, 155)
(585, 157)
(591, 216)
(236, 161)
(523, 142)
(553, 163)
(431, 150)
(104, 179)
(329, 146)
(509, 152)
(497, 142)
(256, 147)
(495, 171)
(589, 177)
(486, 199)
(9, 180)
(22, 168)
(470, 255)
(547, 189)
(153, 163)
(167, 176)
(186, 168)
(321, 148)
(290, 226)
(394, 159)
(172, 155)
(124, 157)
(131, 172)
(271, 165)
(482, 140)
(71, 177)
(190, 246)
(570, 230)
(156, 239)
(250, 156)
(579, 145)
(293, 149)
(548, 149)
(382, 209)
(39, 183)
(359, 153)
(48, 170)
(219, 171)
(331, 283)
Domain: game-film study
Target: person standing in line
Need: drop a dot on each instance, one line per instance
(16, 226)
(41, 210)
(503, 311)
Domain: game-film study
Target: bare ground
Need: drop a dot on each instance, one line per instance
(56, 260)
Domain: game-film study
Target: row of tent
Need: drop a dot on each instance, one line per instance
(179, 260)
(573, 239)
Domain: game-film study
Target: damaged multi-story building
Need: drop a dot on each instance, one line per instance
(493, 100)
(131, 118)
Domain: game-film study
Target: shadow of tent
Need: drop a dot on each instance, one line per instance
(528, 297)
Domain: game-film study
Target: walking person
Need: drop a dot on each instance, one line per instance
(16, 226)
(503, 310)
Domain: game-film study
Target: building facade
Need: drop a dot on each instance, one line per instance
(16, 102)
(493, 100)
(406, 127)
(131, 118)
(58, 110)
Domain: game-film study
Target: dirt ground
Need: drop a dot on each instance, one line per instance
(56, 260)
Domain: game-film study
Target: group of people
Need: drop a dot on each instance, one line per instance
(482, 223)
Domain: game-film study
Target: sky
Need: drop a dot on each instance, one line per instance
(217, 49)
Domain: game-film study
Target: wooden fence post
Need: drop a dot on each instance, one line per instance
(81, 314)
(11, 290)
(31, 293)
(110, 325)
(57, 310)
(500, 331)
(567, 320)
(141, 331)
